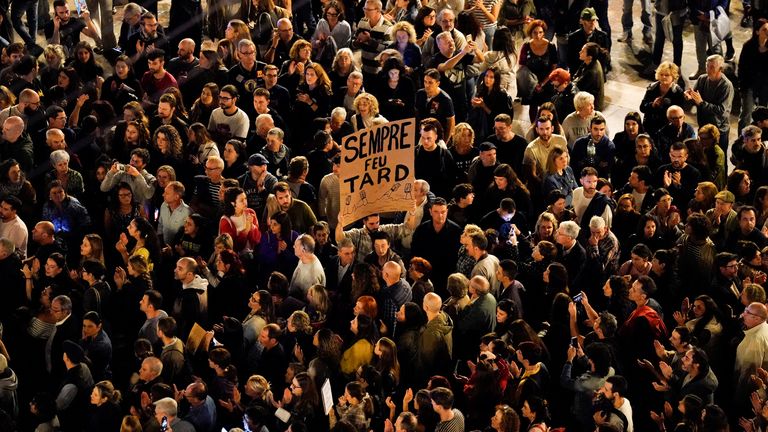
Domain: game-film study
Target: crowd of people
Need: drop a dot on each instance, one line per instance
(189, 269)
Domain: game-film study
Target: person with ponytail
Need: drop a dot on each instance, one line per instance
(104, 413)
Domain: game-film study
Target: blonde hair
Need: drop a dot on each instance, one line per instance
(406, 27)
(371, 100)
(460, 129)
(670, 68)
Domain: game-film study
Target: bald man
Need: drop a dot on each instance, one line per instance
(478, 319)
(185, 60)
(202, 408)
(436, 341)
(752, 352)
(16, 144)
(396, 293)
(44, 235)
(28, 106)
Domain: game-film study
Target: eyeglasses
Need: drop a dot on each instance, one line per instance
(225, 98)
(746, 311)
(247, 53)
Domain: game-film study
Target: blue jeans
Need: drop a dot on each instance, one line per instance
(677, 43)
(18, 9)
(645, 16)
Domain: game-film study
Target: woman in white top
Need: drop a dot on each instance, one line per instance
(367, 107)
(332, 23)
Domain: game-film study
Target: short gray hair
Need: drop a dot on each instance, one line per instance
(675, 108)
(597, 222)
(570, 229)
(583, 98)
(7, 245)
(64, 302)
(59, 156)
(716, 59)
(276, 131)
(339, 112)
(423, 185)
(167, 406)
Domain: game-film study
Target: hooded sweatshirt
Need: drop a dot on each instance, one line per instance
(192, 305)
(9, 383)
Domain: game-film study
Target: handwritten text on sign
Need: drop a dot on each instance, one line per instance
(377, 170)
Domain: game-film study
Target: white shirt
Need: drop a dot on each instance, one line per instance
(626, 409)
(580, 204)
(16, 231)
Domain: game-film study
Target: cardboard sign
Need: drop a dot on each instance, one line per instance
(376, 173)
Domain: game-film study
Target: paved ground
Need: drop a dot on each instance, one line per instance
(624, 89)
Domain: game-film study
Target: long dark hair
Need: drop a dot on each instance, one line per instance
(504, 41)
(482, 90)
(365, 328)
(148, 233)
(282, 219)
(711, 311)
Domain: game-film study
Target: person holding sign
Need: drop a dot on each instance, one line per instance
(362, 238)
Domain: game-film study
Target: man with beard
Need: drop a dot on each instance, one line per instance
(362, 237)
(11, 225)
(301, 216)
(167, 115)
(537, 152)
(151, 37)
(588, 202)
(185, 60)
(678, 177)
(156, 80)
(228, 121)
(257, 183)
(28, 109)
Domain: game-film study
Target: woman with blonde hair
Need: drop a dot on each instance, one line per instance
(55, 57)
(404, 41)
(104, 412)
(559, 175)
(462, 146)
(318, 305)
(660, 95)
(254, 13)
(367, 107)
(131, 424)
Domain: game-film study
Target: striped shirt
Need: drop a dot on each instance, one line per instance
(378, 42)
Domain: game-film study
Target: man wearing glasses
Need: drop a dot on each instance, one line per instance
(751, 354)
(371, 37)
(247, 74)
(282, 41)
(205, 199)
(228, 121)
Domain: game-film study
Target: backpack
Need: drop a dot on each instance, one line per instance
(263, 29)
